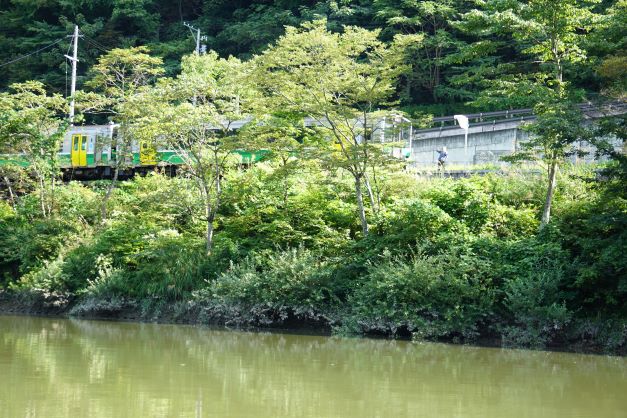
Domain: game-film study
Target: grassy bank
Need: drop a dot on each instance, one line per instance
(453, 260)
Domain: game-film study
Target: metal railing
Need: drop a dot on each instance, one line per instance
(504, 116)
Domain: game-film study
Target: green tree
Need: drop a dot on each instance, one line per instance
(196, 115)
(551, 33)
(338, 80)
(32, 125)
(430, 58)
(609, 44)
(555, 133)
(118, 78)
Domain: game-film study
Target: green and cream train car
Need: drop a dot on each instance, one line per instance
(93, 146)
(90, 152)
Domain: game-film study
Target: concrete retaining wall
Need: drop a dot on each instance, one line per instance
(486, 144)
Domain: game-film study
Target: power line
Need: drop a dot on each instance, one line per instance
(95, 43)
(66, 67)
(98, 47)
(32, 53)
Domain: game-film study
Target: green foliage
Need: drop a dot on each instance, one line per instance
(465, 43)
(447, 294)
(595, 233)
(42, 241)
(452, 260)
(463, 201)
(534, 286)
(280, 239)
(295, 279)
(413, 224)
(31, 126)
(273, 217)
(45, 278)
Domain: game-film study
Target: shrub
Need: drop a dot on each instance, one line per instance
(170, 266)
(295, 279)
(414, 224)
(9, 257)
(509, 223)
(47, 278)
(120, 240)
(77, 203)
(445, 295)
(595, 234)
(463, 200)
(44, 239)
(533, 272)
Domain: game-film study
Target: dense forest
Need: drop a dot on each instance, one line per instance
(328, 229)
(467, 44)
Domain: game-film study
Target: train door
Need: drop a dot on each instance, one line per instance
(79, 150)
(147, 153)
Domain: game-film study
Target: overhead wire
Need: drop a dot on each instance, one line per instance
(95, 43)
(32, 53)
(66, 67)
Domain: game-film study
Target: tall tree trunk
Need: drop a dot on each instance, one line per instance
(210, 212)
(42, 197)
(105, 200)
(371, 197)
(211, 209)
(52, 194)
(360, 205)
(11, 195)
(546, 211)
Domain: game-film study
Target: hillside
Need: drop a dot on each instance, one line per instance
(461, 55)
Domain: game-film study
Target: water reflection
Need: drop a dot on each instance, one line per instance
(72, 368)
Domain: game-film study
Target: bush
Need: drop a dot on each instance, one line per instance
(411, 225)
(294, 279)
(77, 203)
(509, 223)
(463, 200)
(312, 219)
(9, 257)
(44, 239)
(445, 295)
(595, 234)
(477, 203)
(47, 278)
(533, 273)
(170, 266)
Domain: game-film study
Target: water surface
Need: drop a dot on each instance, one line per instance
(74, 368)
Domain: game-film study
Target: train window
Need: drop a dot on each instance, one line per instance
(83, 143)
(75, 141)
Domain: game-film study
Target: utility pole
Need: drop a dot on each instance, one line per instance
(199, 48)
(198, 41)
(197, 37)
(74, 59)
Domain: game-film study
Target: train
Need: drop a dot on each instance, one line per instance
(88, 152)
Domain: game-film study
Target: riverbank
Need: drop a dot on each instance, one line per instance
(186, 312)
(446, 260)
(268, 320)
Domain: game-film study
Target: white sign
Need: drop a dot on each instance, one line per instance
(464, 124)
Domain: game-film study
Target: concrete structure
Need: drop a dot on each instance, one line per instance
(489, 140)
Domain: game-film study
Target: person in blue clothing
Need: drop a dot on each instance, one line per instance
(442, 154)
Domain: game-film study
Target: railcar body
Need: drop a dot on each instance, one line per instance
(91, 151)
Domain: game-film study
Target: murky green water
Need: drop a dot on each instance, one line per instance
(71, 368)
